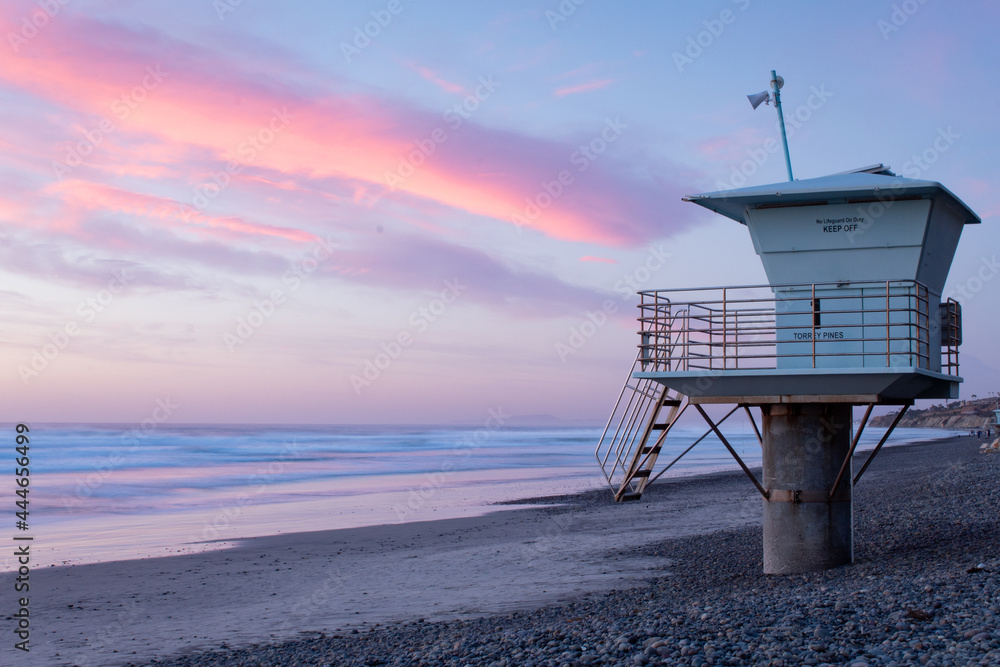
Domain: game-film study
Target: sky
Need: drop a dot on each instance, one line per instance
(396, 211)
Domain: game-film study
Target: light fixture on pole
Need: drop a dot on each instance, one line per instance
(765, 97)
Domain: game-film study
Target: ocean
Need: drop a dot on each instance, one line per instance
(102, 492)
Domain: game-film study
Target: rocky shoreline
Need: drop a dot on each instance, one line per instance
(923, 590)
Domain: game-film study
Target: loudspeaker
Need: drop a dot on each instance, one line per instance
(759, 98)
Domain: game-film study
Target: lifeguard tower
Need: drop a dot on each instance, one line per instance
(852, 316)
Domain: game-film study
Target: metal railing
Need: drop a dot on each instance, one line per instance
(627, 429)
(822, 325)
(951, 335)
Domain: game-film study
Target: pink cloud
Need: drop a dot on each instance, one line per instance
(153, 258)
(591, 258)
(430, 75)
(12, 209)
(430, 265)
(583, 87)
(175, 116)
(96, 197)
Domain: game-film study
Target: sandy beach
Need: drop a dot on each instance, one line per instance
(578, 570)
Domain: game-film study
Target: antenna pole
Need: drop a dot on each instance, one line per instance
(781, 121)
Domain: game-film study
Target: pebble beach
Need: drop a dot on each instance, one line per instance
(675, 579)
(923, 590)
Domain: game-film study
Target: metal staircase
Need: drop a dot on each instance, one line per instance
(634, 436)
(646, 410)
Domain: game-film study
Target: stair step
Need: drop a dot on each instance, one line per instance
(639, 408)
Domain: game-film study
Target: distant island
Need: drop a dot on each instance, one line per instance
(972, 414)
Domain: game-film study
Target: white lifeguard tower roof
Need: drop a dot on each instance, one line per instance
(871, 184)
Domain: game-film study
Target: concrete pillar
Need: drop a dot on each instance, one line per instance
(804, 447)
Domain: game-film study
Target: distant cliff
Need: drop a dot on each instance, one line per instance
(958, 415)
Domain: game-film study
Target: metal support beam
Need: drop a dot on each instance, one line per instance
(690, 447)
(881, 442)
(756, 430)
(732, 451)
(850, 452)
